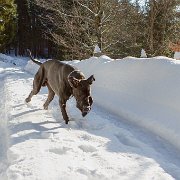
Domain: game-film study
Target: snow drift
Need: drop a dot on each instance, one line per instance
(145, 91)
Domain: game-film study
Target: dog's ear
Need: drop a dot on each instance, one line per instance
(91, 79)
(73, 81)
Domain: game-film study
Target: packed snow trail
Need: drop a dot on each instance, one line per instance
(3, 123)
(99, 147)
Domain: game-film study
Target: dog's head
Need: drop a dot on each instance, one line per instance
(82, 93)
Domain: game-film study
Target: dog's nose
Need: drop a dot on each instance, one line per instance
(84, 114)
(86, 110)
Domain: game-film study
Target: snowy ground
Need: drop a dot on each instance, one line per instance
(37, 145)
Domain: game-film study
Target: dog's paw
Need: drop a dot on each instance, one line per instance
(45, 107)
(27, 100)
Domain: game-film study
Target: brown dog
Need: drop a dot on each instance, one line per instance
(65, 81)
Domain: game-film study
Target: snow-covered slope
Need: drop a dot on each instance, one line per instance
(36, 144)
(145, 91)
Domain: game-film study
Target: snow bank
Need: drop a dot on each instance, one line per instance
(20, 61)
(145, 91)
(31, 67)
(3, 126)
(177, 55)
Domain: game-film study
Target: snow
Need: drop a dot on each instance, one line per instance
(177, 55)
(97, 49)
(131, 133)
(143, 53)
(144, 91)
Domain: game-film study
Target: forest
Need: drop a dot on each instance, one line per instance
(70, 29)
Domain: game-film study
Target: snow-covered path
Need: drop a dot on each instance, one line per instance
(37, 145)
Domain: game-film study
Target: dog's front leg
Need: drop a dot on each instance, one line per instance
(62, 104)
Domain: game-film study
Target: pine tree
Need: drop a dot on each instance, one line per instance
(30, 30)
(162, 26)
(7, 23)
(128, 30)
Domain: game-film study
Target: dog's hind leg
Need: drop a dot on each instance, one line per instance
(37, 83)
(50, 97)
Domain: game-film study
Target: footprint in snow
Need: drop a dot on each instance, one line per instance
(86, 137)
(91, 174)
(128, 140)
(60, 150)
(87, 148)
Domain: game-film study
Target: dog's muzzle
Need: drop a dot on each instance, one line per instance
(86, 110)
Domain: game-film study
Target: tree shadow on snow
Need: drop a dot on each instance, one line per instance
(28, 130)
(25, 112)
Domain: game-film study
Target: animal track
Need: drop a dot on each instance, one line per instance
(127, 140)
(87, 148)
(60, 151)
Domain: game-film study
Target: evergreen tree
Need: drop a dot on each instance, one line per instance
(30, 30)
(128, 30)
(163, 26)
(24, 27)
(7, 23)
(71, 29)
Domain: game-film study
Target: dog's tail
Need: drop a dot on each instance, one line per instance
(34, 60)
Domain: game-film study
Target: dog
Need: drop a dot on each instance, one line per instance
(65, 81)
